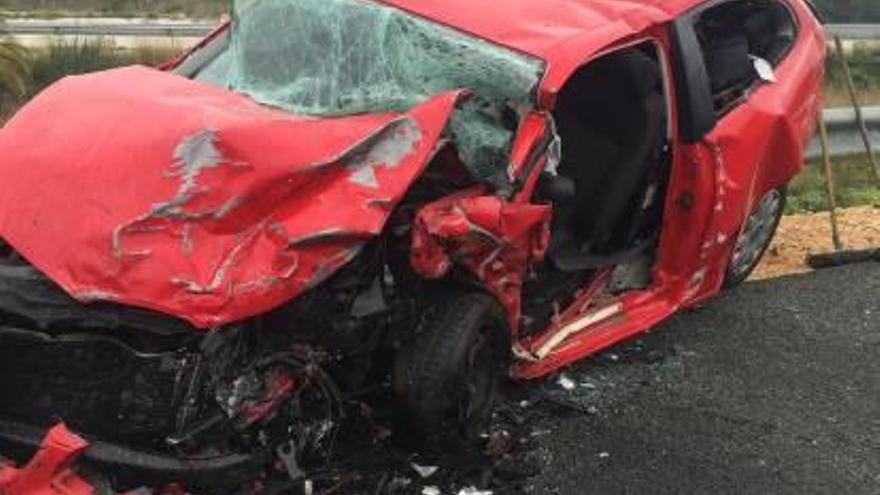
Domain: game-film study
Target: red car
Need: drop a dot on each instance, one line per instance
(203, 264)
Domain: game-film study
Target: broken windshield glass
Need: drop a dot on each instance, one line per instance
(345, 57)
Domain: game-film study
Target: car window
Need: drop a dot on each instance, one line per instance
(734, 35)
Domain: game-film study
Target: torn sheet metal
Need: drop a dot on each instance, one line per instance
(50, 471)
(497, 241)
(191, 200)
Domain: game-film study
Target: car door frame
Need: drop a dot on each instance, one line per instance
(633, 312)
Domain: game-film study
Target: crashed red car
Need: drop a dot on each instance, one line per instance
(202, 264)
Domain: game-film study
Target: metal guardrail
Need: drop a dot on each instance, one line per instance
(106, 27)
(842, 125)
(195, 29)
(854, 32)
(846, 117)
(843, 132)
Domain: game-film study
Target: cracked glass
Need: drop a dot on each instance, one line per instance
(346, 57)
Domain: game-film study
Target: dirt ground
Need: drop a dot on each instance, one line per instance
(802, 235)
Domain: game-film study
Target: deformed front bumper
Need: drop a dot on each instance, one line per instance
(130, 467)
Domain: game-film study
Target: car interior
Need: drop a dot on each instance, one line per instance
(732, 35)
(612, 120)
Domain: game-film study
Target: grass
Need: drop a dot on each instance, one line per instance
(853, 181)
(7, 108)
(839, 97)
(121, 8)
(864, 64)
(81, 57)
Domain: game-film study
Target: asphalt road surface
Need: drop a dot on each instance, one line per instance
(773, 388)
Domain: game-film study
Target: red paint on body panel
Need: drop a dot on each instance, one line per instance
(194, 201)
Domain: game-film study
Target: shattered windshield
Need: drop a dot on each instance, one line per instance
(345, 57)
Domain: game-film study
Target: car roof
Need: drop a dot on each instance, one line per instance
(564, 33)
(536, 26)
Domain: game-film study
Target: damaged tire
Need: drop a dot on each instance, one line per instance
(755, 238)
(448, 379)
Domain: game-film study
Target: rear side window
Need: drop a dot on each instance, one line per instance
(733, 35)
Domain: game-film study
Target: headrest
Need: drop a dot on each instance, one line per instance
(728, 62)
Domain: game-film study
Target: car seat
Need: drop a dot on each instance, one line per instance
(766, 39)
(727, 62)
(611, 119)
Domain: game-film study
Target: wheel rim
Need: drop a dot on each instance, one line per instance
(756, 235)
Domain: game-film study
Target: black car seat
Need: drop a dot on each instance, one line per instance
(727, 62)
(766, 37)
(611, 119)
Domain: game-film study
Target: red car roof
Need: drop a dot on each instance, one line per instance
(538, 26)
(565, 33)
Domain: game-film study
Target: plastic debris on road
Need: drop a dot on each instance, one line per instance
(424, 471)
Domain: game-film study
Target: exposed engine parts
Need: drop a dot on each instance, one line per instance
(171, 406)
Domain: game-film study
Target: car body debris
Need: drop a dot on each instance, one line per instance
(425, 471)
(566, 382)
(473, 491)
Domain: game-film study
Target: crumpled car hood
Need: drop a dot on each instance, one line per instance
(147, 189)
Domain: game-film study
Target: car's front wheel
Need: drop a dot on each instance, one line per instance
(755, 237)
(448, 378)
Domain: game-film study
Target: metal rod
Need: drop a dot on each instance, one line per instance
(875, 170)
(829, 184)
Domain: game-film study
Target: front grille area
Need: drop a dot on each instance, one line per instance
(97, 385)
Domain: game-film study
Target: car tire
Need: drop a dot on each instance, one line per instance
(448, 379)
(756, 236)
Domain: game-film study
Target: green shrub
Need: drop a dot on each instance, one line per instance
(854, 186)
(864, 63)
(90, 55)
(14, 68)
(14, 74)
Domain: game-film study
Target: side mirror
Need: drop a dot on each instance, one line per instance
(763, 69)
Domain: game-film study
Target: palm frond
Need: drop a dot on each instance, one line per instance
(15, 54)
(14, 68)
